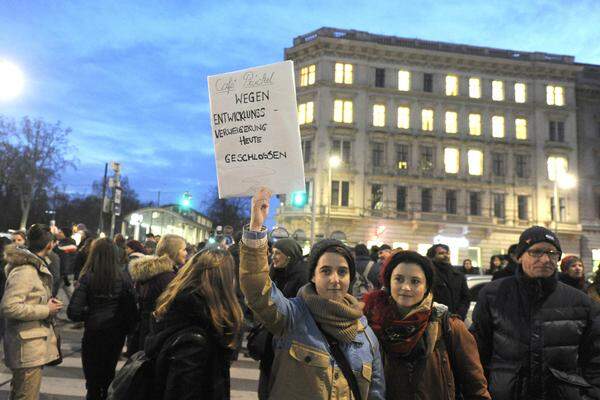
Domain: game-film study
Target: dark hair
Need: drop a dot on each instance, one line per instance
(67, 231)
(38, 237)
(385, 247)
(406, 256)
(102, 263)
(330, 246)
(512, 249)
(361, 250)
(4, 241)
(467, 259)
(431, 250)
(119, 240)
(136, 246)
(149, 235)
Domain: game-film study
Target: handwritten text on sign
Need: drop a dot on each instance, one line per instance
(255, 130)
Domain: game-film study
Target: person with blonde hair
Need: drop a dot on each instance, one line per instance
(196, 326)
(151, 275)
(173, 246)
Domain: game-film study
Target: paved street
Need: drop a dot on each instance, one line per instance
(66, 382)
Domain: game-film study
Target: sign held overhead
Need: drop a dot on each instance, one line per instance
(255, 131)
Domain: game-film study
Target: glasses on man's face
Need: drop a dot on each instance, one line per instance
(552, 254)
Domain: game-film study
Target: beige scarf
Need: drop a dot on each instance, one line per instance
(338, 319)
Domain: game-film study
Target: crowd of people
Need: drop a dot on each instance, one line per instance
(338, 323)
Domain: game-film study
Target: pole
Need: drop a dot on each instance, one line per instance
(117, 183)
(158, 200)
(101, 221)
(313, 216)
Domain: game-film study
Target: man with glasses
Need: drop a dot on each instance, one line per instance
(538, 338)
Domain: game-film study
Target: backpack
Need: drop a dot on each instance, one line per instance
(135, 380)
(362, 284)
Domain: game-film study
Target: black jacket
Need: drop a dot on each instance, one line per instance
(191, 360)
(291, 278)
(450, 288)
(537, 339)
(116, 309)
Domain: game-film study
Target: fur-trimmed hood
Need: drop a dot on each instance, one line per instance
(19, 256)
(144, 268)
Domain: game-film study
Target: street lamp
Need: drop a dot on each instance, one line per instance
(333, 162)
(562, 180)
(12, 80)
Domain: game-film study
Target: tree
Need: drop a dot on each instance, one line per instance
(40, 155)
(234, 211)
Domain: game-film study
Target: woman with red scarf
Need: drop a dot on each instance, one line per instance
(427, 353)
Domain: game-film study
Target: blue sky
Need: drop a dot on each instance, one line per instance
(129, 77)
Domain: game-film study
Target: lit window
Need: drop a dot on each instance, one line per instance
(451, 85)
(305, 113)
(451, 160)
(403, 117)
(555, 95)
(378, 115)
(475, 124)
(451, 122)
(404, 81)
(520, 92)
(307, 75)
(497, 126)
(475, 88)
(427, 120)
(342, 111)
(557, 164)
(475, 159)
(521, 128)
(343, 73)
(497, 90)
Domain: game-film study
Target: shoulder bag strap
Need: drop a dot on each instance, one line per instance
(368, 269)
(342, 361)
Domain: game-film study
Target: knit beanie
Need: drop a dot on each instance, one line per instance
(328, 245)
(567, 262)
(406, 256)
(533, 235)
(290, 248)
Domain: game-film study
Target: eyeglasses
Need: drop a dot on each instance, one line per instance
(554, 255)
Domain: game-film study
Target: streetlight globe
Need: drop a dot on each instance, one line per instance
(334, 161)
(12, 80)
(567, 181)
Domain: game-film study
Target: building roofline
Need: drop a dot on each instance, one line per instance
(351, 34)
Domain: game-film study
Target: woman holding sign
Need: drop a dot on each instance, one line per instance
(323, 346)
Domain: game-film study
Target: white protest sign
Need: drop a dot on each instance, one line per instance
(254, 121)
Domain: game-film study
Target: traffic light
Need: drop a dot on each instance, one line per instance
(299, 199)
(186, 200)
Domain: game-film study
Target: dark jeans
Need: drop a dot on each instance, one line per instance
(100, 351)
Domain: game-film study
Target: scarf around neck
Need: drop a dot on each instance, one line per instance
(338, 319)
(398, 335)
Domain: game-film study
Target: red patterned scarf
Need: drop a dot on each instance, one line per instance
(397, 335)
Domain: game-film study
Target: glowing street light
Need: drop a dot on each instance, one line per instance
(12, 80)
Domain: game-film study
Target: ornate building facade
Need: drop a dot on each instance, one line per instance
(438, 142)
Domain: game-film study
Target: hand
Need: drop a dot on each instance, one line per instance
(260, 209)
(55, 306)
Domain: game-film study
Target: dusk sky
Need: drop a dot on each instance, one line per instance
(129, 77)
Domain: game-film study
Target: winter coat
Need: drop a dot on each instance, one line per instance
(291, 278)
(151, 275)
(114, 310)
(55, 267)
(472, 271)
(577, 283)
(450, 288)
(303, 367)
(593, 292)
(537, 339)
(192, 361)
(435, 377)
(29, 337)
(67, 251)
